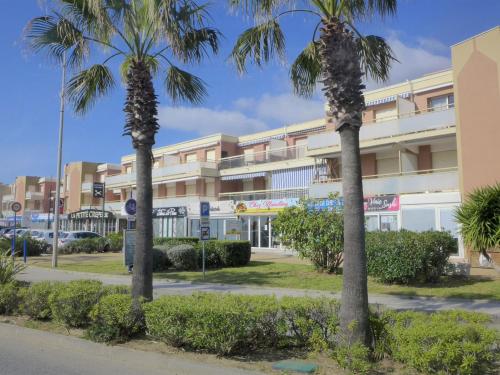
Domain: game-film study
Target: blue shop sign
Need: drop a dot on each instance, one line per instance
(327, 205)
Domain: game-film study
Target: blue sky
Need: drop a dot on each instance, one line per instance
(420, 35)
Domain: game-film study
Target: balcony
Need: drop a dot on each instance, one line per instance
(405, 124)
(433, 180)
(8, 198)
(177, 171)
(261, 157)
(34, 195)
(265, 194)
(179, 200)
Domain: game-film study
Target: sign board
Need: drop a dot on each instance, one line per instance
(98, 189)
(129, 246)
(16, 206)
(204, 233)
(381, 203)
(130, 206)
(90, 214)
(169, 212)
(204, 214)
(265, 205)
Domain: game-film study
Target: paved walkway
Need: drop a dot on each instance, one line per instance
(164, 287)
(25, 351)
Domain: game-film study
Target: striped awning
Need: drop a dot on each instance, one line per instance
(307, 131)
(261, 140)
(388, 99)
(292, 178)
(243, 176)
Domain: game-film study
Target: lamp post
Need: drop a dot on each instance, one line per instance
(51, 207)
(59, 162)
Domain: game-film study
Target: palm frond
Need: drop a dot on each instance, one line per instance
(376, 56)
(261, 8)
(259, 44)
(181, 85)
(366, 9)
(88, 85)
(197, 44)
(306, 70)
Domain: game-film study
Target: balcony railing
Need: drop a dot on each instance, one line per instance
(407, 123)
(265, 194)
(261, 157)
(34, 195)
(432, 180)
(8, 198)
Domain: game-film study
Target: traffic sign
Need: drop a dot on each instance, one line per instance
(98, 189)
(204, 214)
(204, 233)
(16, 207)
(131, 206)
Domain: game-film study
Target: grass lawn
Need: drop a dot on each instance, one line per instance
(283, 275)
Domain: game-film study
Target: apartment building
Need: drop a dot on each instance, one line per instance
(36, 196)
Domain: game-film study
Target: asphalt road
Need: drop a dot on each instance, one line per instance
(25, 351)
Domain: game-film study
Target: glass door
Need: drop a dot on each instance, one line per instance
(264, 224)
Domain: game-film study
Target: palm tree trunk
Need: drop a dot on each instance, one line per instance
(142, 125)
(142, 280)
(342, 79)
(354, 306)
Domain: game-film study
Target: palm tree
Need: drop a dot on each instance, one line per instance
(337, 58)
(149, 36)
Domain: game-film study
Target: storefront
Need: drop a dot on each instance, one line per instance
(91, 220)
(224, 224)
(170, 222)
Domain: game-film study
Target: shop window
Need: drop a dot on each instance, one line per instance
(448, 223)
(388, 223)
(371, 223)
(419, 219)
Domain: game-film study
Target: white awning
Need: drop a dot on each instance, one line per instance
(243, 176)
(388, 99)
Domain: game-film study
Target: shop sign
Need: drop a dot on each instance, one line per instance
(90, 214)
(382, 203)
(169, 212)
(327, 205)
(265, 205)
(216, 208)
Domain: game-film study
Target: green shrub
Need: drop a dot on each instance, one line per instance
(234, 253)
(86, 245)
(9, 298)
(183, 257)
(312, 321)
(115, 241)
(115, 318)
(168, 241)
(71, 303)
(34, 247)
(355, 357)
(8, 268)
(406, 257)
(452, 342)
(36, 299)
(212, 257)
(160, 258)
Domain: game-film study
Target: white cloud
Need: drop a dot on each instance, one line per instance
(414, 61)
(206, 121)
(288, 108)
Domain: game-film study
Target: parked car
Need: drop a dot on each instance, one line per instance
(69, 237)
(5, 231)
(47, 236)
(19, 232)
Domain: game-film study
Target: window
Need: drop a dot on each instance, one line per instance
(210, 155)
(441, 102)
(224, 154)
(386, 114)
(191, 157)
(419, 219)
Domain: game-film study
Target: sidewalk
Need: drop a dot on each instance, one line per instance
(165, 287)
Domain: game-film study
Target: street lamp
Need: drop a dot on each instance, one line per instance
(59, 162)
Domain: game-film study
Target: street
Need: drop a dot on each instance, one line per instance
(25, 351)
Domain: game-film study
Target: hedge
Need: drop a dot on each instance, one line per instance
(168, 241)
(183, 257)
(36, 299)
(86, 245)
(115, 241)
(34, 247)
(407, 257)
(9, 298)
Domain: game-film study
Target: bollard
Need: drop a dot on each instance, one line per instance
(24, 250)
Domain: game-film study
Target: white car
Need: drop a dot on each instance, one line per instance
(19, 232)
(68, 237)
(45, 235)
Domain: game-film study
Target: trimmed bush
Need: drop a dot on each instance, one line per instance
(406, 257)
(86, 245)
(71, 303)
(33, 247)
(453, 342)
(9, 298)
(169, 241)
(36, 299)
(227, 324)
(212, 257)
(115, 241)
(183, 257)
(115, 318)
(160, 258)
(225, 253)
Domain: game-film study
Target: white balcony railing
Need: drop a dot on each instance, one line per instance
(192, 168)
(445, 179)
(404, 124)
(265, 194)
(261, 157)
(34, 195)
(8, 198)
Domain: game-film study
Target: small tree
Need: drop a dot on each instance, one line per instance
(315, 235)
(479, 218)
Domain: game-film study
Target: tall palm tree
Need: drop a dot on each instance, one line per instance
(338, 57)
(149, 36)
